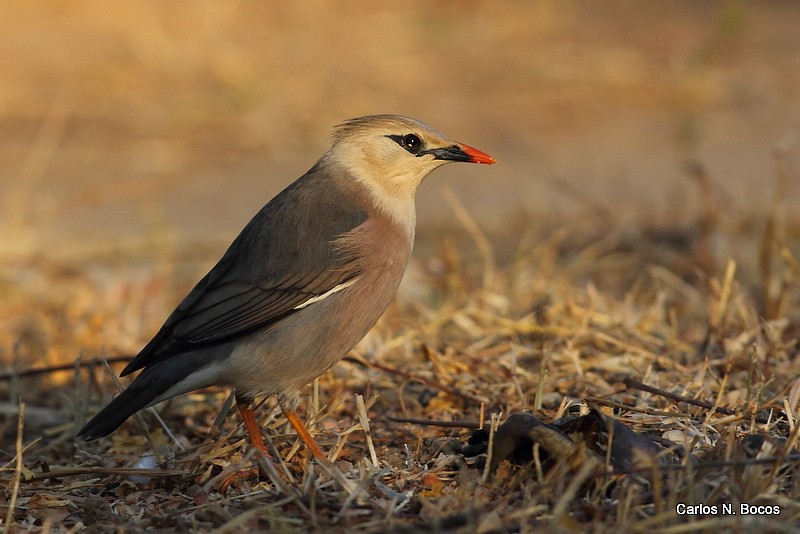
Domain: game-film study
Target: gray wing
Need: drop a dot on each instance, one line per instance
(286, 255)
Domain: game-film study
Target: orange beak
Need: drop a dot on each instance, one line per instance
(476, 156)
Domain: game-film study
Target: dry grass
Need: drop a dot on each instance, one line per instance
(670, 306)
(577, 314)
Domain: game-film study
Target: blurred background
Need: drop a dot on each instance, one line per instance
(643, 220)
(134, 127)
(123, 116)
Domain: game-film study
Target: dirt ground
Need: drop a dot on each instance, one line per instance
(642, 223)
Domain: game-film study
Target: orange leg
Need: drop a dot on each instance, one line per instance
(301, 430)
(253, 430)
(256, 440)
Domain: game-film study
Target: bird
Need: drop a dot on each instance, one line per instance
(303, 282)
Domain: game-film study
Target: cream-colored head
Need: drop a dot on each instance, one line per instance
(391, 155)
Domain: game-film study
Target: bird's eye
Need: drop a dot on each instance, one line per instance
(412, 143)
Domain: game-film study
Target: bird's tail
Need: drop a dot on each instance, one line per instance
(156, 383)
(118, 411)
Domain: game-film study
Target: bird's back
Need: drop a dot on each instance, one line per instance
(286, 254)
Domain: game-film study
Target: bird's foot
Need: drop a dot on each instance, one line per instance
(238, 476)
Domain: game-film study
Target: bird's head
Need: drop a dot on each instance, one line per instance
(392, 154)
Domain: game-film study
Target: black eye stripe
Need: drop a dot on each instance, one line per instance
(410, 142)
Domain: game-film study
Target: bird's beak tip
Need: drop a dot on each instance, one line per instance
(476, 156)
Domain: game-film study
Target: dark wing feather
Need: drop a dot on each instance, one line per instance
(286, 255)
